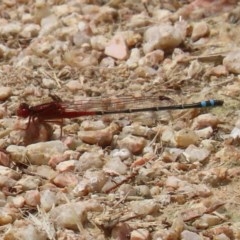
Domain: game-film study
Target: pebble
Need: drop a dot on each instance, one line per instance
(122, 153)
(188, 235)
(65, 179)
(18, 201)
(115, 165)
(5, 217)
(7, 182)
(195, 154)
(92, 182)
(107, 62)
(168, 136)
(49, 83)
(140, 234)
(101, 137)
(134, 57)
(12, 28)
(8, 172)
(92, 125)
(117, 48)
(73, 215)
(139, 20)
(30, 30)
(5, 93)
(143, 190)
(23, 229)
(152, 58)
(200, 29)
(186, 137)
(29, 182)
(205, 120)
(206, 221)
(47, 199)
(144, 207)
(48, 25)
(90, 160)
(99, 42)
(4, 51)
(32, 198)
(134, 144)
(40, 153)
(204, 133)
(232, 61)
(43, 171)
(80, 38)
(121, 231)
(218, 71)
(66, 166)
(132, 38)
(138, 130)
(163, 36)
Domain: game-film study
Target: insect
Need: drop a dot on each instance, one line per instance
(56, 110)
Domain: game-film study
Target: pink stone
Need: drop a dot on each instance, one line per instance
(117, 48)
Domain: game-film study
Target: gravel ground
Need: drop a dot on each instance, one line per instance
(140, 176)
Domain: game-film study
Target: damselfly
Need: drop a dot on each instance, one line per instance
(58, 109)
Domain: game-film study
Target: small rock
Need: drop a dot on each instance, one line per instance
(123, 153)
(66, 179)
(74, 215)
(48, 83)
(115, 165)
(200, 30)
(32, 198)
(195, 154)
(134, 144)
(40, 153)
(218, 71)
(205, 120)
(18, 201)
(12, 28)
(98, 42)
(90, 160)
(206, 221)
(187, 235)
(186, 137)
(66, 166)
(163, 36)
(232, 61)
(90, 125)
(101, 137)
(117, 48)
(5, 93)
(153, 58)
(48, 25)
(74, 85)
(205, 132)
(140, 234)
(25, 230)
(93, 181)
(47, 199)
(134, 58)
(107, 62)
(144, 207)
(30, 30)
(80, 38)
(139, 20)
(28, 182)
(173, 182)
(121, 231)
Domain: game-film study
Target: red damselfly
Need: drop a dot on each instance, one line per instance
(57, 110)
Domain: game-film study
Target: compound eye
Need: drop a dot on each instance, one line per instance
(23, 110)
